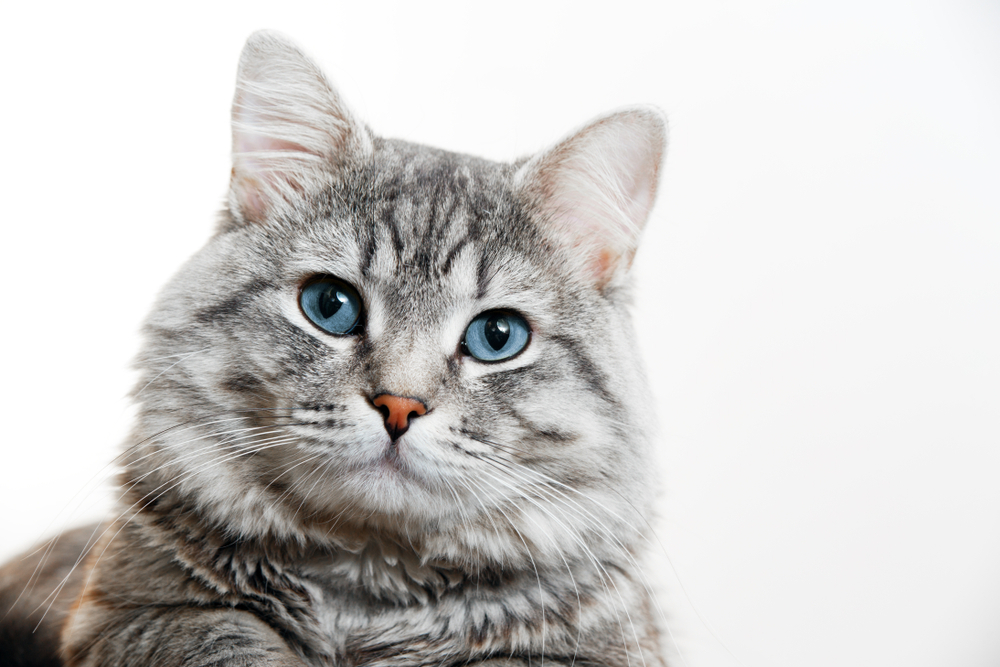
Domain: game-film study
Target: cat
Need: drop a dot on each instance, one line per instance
(391, 414)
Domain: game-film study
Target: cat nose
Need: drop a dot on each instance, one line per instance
(397, 411)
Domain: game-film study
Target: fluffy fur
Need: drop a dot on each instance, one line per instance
(266, 516)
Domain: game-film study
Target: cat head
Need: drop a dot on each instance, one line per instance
(385, 339)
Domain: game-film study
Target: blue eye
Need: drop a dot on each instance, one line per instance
(496, 335)
(331, 304)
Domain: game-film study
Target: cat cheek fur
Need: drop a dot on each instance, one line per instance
(267, 512)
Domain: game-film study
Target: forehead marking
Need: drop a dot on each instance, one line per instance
(366, 239)
(453, 253)
(483, 274)
(389, 220)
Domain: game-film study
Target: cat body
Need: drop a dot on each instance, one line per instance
(305, 488)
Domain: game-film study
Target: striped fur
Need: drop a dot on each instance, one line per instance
(266, 518)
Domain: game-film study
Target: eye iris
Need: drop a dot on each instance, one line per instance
(331, 300)
(331, 304)
(497, 331)
(495, 335)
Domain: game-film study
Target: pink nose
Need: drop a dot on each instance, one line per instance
(397, 410)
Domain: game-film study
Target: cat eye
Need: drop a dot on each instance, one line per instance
(331, 304)
(496, 335)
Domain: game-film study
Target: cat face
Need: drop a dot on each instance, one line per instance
(387, 337)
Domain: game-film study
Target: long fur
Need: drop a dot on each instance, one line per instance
(266, 517)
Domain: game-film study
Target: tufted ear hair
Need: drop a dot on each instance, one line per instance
(593, 191)
(291, 130)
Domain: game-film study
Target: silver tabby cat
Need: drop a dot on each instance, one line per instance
(391, 414)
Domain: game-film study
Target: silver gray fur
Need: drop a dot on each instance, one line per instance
(267, 518)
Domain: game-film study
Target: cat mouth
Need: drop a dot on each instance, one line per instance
(395, 461)
(391, 460)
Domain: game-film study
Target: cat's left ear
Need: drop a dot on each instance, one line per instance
(594, 190)
(292, 132)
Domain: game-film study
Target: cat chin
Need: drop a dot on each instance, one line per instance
(382, 509)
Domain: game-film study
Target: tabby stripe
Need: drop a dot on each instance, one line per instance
(586, 368)
(233, 305)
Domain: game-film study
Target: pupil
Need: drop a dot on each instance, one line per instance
(497, 331)
(330, 302)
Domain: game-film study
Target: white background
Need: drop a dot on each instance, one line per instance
(819, 287)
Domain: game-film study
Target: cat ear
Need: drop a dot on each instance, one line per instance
(291, 130)
(594, 190)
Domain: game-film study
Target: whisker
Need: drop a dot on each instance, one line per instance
(184, 357)
(596, 563)
(49, 545)
(591, 520)
(624, 551)
(527, 551)
(489, 515)
(177, 479)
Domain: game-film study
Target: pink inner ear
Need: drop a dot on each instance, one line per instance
(250, 142)
(290, 128)
(637, 176)
(264, 165)
(254, 173)
(604, 264)
(587, 234)
(597, 187)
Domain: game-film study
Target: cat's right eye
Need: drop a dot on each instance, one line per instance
(496, 335)
(331, 304)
